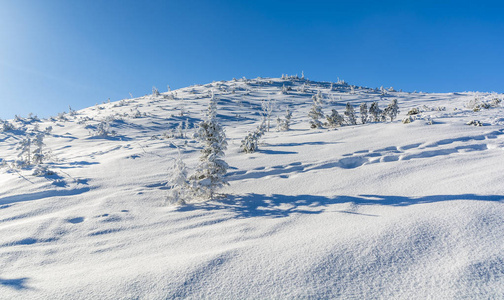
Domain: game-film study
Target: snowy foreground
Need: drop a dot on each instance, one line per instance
(380, 210)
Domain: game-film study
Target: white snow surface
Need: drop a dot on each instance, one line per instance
(368, 211)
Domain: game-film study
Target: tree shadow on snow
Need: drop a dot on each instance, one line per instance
(17, 283)
(42, 195)
(277, 206)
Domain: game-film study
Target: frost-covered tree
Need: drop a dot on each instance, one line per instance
(315, 113)
(6, 126)
(320, 98)
(284, 89)
(32, 149)
(155, 91)
(212, 168)
(335, 119)
(180, 191)
(350, 114)
(267, 109)
(363, 112)
(102, 129)
(375, 112)
(284, 124)
(391, 110)
(250, 143)
(39, 155)
(25, 151)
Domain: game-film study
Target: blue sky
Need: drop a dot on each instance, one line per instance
(57, 53)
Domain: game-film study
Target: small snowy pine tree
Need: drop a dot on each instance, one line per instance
(363, 113)
(315, 114)
(25, 152)
(376, 112)
(335, 119)
(391, 110)
(267, 109)
(350, 114)
(180, 191)
(39, 155)
(250, 143)
(284, 124)
(212, 168)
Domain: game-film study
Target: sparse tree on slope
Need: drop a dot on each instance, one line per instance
(211, 170)
(391, 110)
(250, 143)
(315, 113)
(25, 151)
(376, 112)
(267, 109)
(39, 155)
(363, 113)
(350, 114)
(284, 124)
(180, 190)
(335, 119)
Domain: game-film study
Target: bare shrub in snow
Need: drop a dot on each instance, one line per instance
(495, 102)
(407, 120)
(474, 123)
(135, 113)
(413, 111)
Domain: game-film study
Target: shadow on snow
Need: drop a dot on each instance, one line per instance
(277, 206)
(17, 284)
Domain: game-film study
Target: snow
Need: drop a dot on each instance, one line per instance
(377, 210)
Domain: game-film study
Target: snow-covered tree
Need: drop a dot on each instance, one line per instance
(180, 191)
(315, 113)
(39, 155)
(212, 168)
(284, 124)
(250, 143)
(391, 110)
(6, 126)
(25, 151)
(320, 98)
(284, 90)
(335, 119)
(155, 91)
(103, 130)
(267, 109)
(350, 114)
(363, 112)
(375, 112)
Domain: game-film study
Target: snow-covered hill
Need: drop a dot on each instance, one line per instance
(379, 210)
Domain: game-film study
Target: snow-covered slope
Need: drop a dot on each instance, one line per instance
(378, 210)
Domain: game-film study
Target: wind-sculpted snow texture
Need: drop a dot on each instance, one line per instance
(369, 211)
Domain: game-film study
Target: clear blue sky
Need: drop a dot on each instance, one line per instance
(55, 53)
